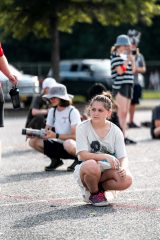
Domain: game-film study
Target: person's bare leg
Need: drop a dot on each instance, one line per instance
(157, 132)
(123, 104)
(111, 180)
(70, 146)
(37, 144)
(90, 175)
(131, 113)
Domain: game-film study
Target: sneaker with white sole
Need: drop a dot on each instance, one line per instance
(86, 195)
(98, 199)
(111, 195)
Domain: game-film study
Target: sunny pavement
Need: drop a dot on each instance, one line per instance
(35, 204)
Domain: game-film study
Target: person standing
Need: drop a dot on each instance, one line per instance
(140, 67)
(101, 148)
(4, 68)
(123, 68)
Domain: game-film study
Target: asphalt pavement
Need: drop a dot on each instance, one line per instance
(35, 204)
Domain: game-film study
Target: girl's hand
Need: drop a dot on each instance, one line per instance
(122, 172)
(49, 134)
(114, 163)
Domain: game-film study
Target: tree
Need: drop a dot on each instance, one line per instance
(47, 18)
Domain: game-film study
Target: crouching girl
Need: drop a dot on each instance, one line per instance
(101, 148)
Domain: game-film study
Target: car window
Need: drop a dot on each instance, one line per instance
(85, 67)
(74, 67)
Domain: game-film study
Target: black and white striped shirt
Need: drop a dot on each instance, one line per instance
(126, 78)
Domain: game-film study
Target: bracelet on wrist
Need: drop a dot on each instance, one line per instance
(123, 67)
(57, 135)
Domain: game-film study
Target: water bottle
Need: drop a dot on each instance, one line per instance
(14, 93)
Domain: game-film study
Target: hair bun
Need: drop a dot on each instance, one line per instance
(108, 94)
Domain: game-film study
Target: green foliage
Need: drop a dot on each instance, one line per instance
(20, 17)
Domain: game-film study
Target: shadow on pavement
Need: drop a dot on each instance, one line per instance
(72, 212)
(29, 176)
(20, 152)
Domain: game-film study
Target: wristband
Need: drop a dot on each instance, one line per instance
(1, 51)
(123, 68)
(57, 135)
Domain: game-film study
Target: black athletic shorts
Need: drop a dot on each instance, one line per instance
(126, 90)
(54, 149)
(137, 93)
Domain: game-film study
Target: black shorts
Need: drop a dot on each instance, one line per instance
(54, 149)
(137, 93)
(126, 90)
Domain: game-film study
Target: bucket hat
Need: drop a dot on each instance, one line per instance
(48, 82)
(123, 40)
(59, 91)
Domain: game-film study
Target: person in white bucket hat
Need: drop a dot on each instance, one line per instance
(36, 117)
(59, 91)
(59, 141)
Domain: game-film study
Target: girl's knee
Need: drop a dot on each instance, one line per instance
(90, 167)
(31, 142)
(70, 146)
(126, 182)
(34, 142)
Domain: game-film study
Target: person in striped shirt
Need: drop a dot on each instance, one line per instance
(123, 67)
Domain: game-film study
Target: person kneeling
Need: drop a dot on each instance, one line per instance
(59, 140)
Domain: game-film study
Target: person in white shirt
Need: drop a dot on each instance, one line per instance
(62, 119)
(101, 148)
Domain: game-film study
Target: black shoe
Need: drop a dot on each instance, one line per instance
(55, 163)
(129, 141)
(133, 125)
(146, 124)
(72, 166)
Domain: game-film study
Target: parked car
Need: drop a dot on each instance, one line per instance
(80, 75)
(28, 85)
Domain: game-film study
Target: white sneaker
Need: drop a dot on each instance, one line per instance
(85, 194)
(111, 195)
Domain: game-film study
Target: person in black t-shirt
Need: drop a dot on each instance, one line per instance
(38, 111)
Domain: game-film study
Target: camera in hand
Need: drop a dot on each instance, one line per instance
(34, 132)
(134, 51)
